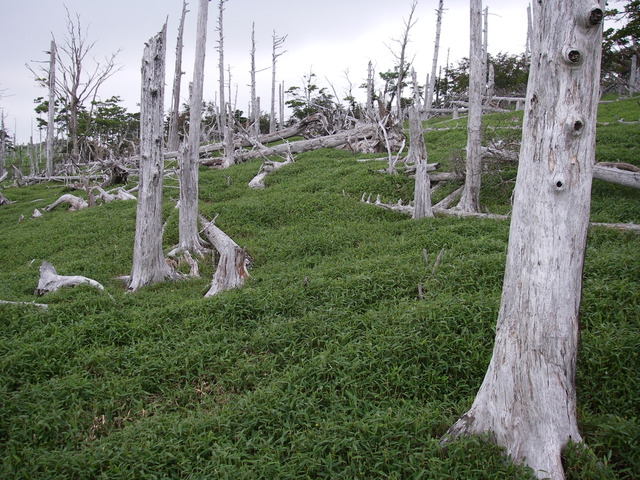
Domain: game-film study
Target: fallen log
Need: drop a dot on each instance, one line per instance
(618, 173)
(233, 265)
(50, 281)
(76, 203)
(266, 168)
(329, 141)
(26, 304)
(4, 200)
(632, 227)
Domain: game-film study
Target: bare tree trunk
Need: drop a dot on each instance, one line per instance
(50, 281)
(3, 145)
(189, 239)
(174, 140)
(228, 157)
(633, 77)
(528, 398)
(277, 44)
(527, 53)
(434, 65)
(402, 58)
(222, 123)
(485, 49)
(282, 105)
(370, 111)
(52, 109)
(470, 200)
(418, 154)
(148, 262)
(254, 116)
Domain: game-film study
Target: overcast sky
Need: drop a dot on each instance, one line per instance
(327, 37)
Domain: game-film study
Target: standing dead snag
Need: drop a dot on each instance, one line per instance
(148, 261)
(527, 400)
(418, 154)
(174, 137)
(50, 281)
(232, 267)
(470, 200)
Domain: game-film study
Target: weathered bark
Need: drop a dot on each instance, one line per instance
(232, 267)
(254, 111)
(173, 141)
(330, 141)
(277, 44)
(618, 173)
(527, 400)
(434, 65)
(3, 145)
(76, 203)
(25, 304)
(149, 266)
(266, 168)
(51, 109)
(618, 226)
(188, 238)
(4, 200)
(50, 281)
(222, 121)
(418, 154)
(401, 57)
(370, 111)
(470, 200)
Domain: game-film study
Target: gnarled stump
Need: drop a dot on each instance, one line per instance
(50, 281)
(76, 203)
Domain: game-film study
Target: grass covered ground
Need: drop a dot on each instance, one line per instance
(326, 364)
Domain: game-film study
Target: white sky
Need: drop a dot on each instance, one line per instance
(327, 37)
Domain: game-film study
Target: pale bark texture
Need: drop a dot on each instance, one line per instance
(188, 238)
(222, 123)
(401, 57)
(52, 109)
(174, 137)
(149, 266)
(434, 65)
(470, 200)
(527, 400)
(75, 203)
(50, 281)
(254, 115)
(418, 155)
(232, 266)
(277, 44)
(266, 168)
(3, 145)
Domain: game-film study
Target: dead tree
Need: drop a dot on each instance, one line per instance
(470, 200)
(3, 144)
(254, 113)
(50, 281)
(401, 58)
(418, 152)
(188, 238)
(527, 401)
(434, 65)
(76, 203)
(51, 109)
(149, 266)
(232, 270)
(267, 167)
(275, 54)
(174, 137)
(222, 121)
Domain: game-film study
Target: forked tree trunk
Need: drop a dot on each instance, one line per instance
(188, 238)
(52, 109)
(148, 262)
(418, 155)
(470, 200)
(174, 137)
(277, 44)
(528, 397)
(50, 281)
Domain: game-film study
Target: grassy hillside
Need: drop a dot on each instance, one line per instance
(326, 364)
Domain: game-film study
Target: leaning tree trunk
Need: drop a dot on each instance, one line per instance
(528, 397)
(470, 200)
(434, 65)
(174, 137)
(188, 238)
(148, 262)
(52, 109)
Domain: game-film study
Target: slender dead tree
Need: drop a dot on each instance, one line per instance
(527, 400)
(255, 110)
(436, 49)
(485, 48)
(3, 144)
(148, 262)
(222, 121)
(275, 54)
(174, 137)
(51, 114)
(189, 239)
(470, 199)
(418, 155)
(401, 57)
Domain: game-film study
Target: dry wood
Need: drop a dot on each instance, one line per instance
(470, 199)
(50, 281)
(174, 138)
(4, 200)
(149, 266)
(51, 109)
(527, 401)
(618, 173)
(26, 304)
(76, 203)
(418, 150)
(232, 270)
(618, 226)
(36, 213)
(428, 101)
(266, 168)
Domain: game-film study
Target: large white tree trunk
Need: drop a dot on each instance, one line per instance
(470, 200)
(188, 238)
(148, 262)
(528, 398)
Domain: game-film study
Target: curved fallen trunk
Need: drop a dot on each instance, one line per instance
(50, 281)
(76, 203)
(266, 168)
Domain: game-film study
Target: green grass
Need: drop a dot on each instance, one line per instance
(326, 364)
